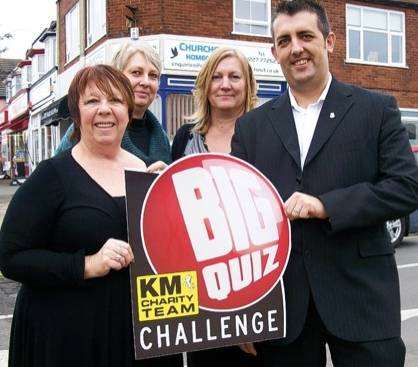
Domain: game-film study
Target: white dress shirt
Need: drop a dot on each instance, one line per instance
(306, 120)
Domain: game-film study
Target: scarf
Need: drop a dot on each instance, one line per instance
(159, 145)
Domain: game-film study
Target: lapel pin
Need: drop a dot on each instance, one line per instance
(332, 115)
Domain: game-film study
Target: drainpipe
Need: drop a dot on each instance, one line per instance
(83, 31)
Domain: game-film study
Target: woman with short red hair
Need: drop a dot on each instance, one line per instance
(64, 238)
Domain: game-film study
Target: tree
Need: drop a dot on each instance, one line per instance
(4, 36)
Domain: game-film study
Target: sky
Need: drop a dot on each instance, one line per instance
(25, 19)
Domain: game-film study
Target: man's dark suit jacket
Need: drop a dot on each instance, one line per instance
(361, 167)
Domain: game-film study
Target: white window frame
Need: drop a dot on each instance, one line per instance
(34, 69)
(38, 67)
(26, 73)
(8, 90)
(96, 24)
(409, 116)
(50, 53)
(29, 79)
(16, 84)
(55, 138)
(41, 64)
(413, 118)
(388, 32)
(72, 34)
(252, 22)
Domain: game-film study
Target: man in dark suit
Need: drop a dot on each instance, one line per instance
(341, 160)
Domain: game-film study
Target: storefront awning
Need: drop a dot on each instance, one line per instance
(19, 124)
(55, 112)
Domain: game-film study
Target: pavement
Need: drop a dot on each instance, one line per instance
(8, 288)
(6, 193)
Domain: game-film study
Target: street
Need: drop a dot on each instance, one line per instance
(407, 260)
(406, 256)
(8, 289)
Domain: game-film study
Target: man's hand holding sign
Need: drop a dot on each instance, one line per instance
(303, 206)
(298, 206)
(211, 246)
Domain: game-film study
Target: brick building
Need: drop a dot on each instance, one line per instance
(375, 47)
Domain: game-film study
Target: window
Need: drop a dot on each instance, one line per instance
(72, 33)
(252, 17)
(37, 67)
(26, 73)
(55, 131)
(8, 91)
(178, 106)
(49, 53)
(46, 147)
(16, 84)
(375, 36)
(35, 142)
(409, 117)
(41, 64)
(96, 20)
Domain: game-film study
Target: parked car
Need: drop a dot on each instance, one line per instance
(399, 228)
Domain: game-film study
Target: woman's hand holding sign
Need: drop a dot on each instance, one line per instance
(114, 254)
(303, 206)
(156, 167)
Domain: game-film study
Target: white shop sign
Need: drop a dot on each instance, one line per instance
(189, 55)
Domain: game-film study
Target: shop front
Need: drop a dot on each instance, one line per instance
(3, 144)
(182, 58)
(44, 134)
(14, 150)
(51, 118)
(175, 100)
(5, 161)
(15, 138)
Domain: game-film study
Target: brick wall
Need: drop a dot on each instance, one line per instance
(402, 83)
(213, 18)
(63, 7)
(205, 18)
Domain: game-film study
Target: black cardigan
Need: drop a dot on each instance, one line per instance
(183, 135)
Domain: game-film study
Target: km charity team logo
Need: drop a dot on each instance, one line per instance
(219, 217)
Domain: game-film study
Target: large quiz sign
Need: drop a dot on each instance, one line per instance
(211, 242)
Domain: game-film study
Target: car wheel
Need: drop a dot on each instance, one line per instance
(396, 230)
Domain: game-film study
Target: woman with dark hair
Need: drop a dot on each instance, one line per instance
(64, 238)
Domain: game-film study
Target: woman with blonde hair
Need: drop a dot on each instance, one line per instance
(225, 89)
(144, 136)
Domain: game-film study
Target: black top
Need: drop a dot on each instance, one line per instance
(139, 132)
(59, 215)
(180, 141)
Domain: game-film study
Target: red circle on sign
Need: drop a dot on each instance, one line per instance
(221, 217)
